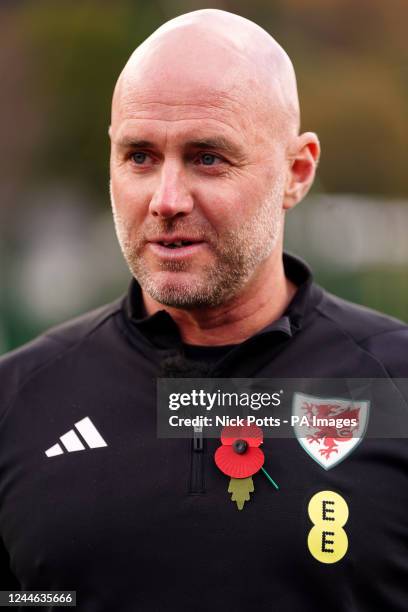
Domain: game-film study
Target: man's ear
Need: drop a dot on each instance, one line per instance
(303, 159)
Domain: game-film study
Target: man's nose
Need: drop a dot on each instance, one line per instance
(172, 196)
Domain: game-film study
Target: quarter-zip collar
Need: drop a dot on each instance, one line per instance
(161, 331)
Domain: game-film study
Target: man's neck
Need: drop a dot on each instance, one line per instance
(263, 300)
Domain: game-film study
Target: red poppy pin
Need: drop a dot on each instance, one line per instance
(240, 457)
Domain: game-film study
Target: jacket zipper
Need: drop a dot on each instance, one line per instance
(197, 485)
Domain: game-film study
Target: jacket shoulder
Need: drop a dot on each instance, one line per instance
(383, 336)
(17, 366)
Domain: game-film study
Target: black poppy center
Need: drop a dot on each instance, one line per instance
(240, 446)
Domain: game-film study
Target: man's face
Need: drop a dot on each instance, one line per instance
(197, 184)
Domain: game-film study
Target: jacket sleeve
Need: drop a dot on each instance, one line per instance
(391, 350)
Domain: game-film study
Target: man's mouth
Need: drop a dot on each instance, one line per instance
(176, 247)
(176, 244)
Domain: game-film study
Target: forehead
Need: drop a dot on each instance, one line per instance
(182, 108)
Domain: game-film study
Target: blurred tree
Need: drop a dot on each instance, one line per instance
(359, 112)
(79, 51)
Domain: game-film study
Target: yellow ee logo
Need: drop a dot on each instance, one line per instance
(327, 540)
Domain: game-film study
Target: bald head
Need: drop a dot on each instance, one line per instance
(216, 52)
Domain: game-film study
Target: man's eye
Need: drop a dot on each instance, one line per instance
(139, 157)
(208, 159)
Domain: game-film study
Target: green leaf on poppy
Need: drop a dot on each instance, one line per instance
(241, 489)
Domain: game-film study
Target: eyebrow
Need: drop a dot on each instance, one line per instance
(217, 142)
(132, 142)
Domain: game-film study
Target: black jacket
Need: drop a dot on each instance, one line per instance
(146, 524)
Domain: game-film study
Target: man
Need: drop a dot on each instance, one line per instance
(206, 160)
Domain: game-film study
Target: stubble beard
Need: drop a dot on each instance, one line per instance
(237, 254)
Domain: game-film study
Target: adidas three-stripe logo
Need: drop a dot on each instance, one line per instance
(72, 442)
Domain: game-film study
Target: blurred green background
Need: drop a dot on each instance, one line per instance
(59, 63)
